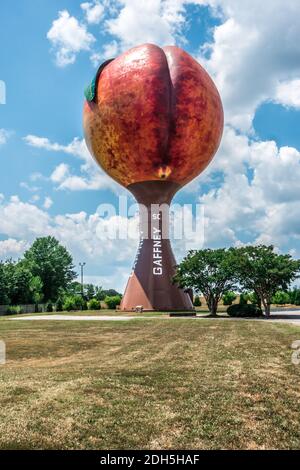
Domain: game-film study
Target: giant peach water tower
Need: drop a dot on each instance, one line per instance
(153, 120)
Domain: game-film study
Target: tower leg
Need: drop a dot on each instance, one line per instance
(150, 284)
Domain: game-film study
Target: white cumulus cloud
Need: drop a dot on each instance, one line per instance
(259, 197)
(253, 50)
(4, 135)
(47, 202)
(93, 11)
(12, 248)
(91, 177)
(60, 173)
(68, 37)
(288, 93)
(140, 21)
(22, 222)
(77, 147)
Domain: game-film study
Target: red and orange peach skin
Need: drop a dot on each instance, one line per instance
(157, 115)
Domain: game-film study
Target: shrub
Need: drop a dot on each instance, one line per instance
(49, 307)
(228, 297)
(244, 310)
(197, 301)
(13, 310)
(74, 302)
(281, 298)
(112, 302)
(59, 305)
(244, 299)
(294, 296)
(78, 302)
(100, 294)
(94, 304)
(69, 303)
(254, 299)
(297, 298)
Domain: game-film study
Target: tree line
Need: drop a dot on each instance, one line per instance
(281, 297)
(46, 274)
(255, 269)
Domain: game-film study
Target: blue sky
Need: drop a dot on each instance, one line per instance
(49, 184)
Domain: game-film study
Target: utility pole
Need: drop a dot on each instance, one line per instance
(81, 267)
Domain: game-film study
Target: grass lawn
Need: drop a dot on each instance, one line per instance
(156, 384)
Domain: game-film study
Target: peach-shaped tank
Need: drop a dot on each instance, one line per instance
(153, 120)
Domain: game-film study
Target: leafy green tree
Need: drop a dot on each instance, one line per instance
(111, 293)
(59, 305)
(263, 271)
(228, 297)
(254, 299)
(9, 267)
(281, 298)
(297, 297)
(89, 290)
(51, 261)
(294, 295)
(197, 301)
(99, 293)
(244, 297)
(291, 293)
(22, 285)
(4, 289)
(36, 288)
(74, 288)
(210, 272)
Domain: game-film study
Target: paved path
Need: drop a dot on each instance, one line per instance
(292, 317)
(78, 317)
(274, 316)
(278, 317)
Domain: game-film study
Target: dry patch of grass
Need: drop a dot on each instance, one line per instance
(176, 383)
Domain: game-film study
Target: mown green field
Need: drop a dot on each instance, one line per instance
(149, 383)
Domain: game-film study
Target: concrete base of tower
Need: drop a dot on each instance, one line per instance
(144, 292)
